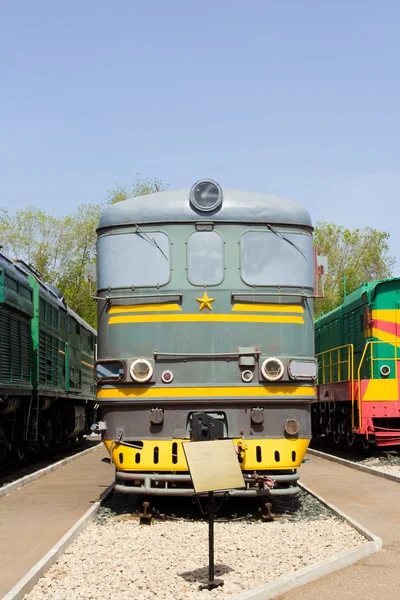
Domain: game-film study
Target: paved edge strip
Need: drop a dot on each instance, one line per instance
(27, 583)
(352, 465)
(23, 481)
(296, 579)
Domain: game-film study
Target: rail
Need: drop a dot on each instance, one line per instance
(337, 365)
(370, 356)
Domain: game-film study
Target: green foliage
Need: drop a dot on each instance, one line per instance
(359, 255)
(141, 186)
(60, 247)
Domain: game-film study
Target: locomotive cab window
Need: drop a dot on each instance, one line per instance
(282, 258)
(139, 259)
(205, 258)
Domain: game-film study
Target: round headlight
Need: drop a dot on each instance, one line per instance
(272, 369)
(385, 370)
(206, 195)
(141, 370)
(292, 427)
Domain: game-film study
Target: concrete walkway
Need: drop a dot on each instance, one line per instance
(35, 517)
(373, 502)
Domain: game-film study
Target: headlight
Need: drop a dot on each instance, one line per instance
(141, 370)
(292, 427)
(302, 369)
(272, 369)
(206, 195)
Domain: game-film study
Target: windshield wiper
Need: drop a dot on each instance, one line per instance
(279, 234)
(151, 240)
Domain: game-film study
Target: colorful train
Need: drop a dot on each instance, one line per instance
(205, 331)
(46, 365)
(357, 347)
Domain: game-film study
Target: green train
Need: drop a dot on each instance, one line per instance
(357, 347)
(205, 330)
(46, 364)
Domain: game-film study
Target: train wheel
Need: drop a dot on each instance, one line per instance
(34, 448)
(3, 446)
(365, 443)
(20, 451)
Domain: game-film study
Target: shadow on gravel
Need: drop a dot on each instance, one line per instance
(201, 575)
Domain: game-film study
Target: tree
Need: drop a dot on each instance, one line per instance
(60, 247)
(141, 186)
(354, 257)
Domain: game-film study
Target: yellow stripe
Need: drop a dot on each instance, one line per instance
(292, 308)
(391, 315)
(87, 364)
(383, 336)
(291, 454)
(144, 308)
(381, 390)
(214, 318)
(61, 352)
(206, 392)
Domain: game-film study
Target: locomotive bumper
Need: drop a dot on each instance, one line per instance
(269, 467)
(173, 484)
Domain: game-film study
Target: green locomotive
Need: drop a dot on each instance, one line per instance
(46, 364)
(205, 330)
(357, 347)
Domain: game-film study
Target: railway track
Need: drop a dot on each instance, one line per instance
(173, 552)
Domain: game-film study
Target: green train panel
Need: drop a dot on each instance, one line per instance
(357, 347)
(46, 364)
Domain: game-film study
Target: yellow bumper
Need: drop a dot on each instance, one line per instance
(168, 455)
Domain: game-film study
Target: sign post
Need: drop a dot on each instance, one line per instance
(213, 466)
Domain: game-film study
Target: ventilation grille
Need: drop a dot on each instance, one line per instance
(48, 360)
(15, 350)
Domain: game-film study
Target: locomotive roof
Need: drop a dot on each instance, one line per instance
(237, 206)
(355, 299)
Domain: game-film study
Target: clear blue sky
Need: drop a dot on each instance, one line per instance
(297, 98)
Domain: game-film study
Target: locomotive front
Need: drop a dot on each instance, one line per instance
(205, 329)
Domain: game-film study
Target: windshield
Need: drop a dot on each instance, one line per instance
(205, 258)
(276, 257)
(138, 259)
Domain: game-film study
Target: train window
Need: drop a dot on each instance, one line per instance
(139, 259)
(281, 257)
(205, 258)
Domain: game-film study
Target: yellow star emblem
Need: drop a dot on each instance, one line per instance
(205, 302)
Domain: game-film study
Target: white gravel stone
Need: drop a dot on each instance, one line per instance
(169, 560)
(392, 469)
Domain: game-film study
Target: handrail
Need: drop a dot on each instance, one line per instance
(394, 358)
(349, 360)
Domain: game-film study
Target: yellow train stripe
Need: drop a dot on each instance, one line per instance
(383, 336)
(214, 318)
(144, 308)
(290, 308)
(261, 391)
(291, 454)
(87, 364)
(391, 315)
(61, 352)
(381, 390)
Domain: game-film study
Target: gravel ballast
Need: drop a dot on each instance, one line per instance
(116, 557)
